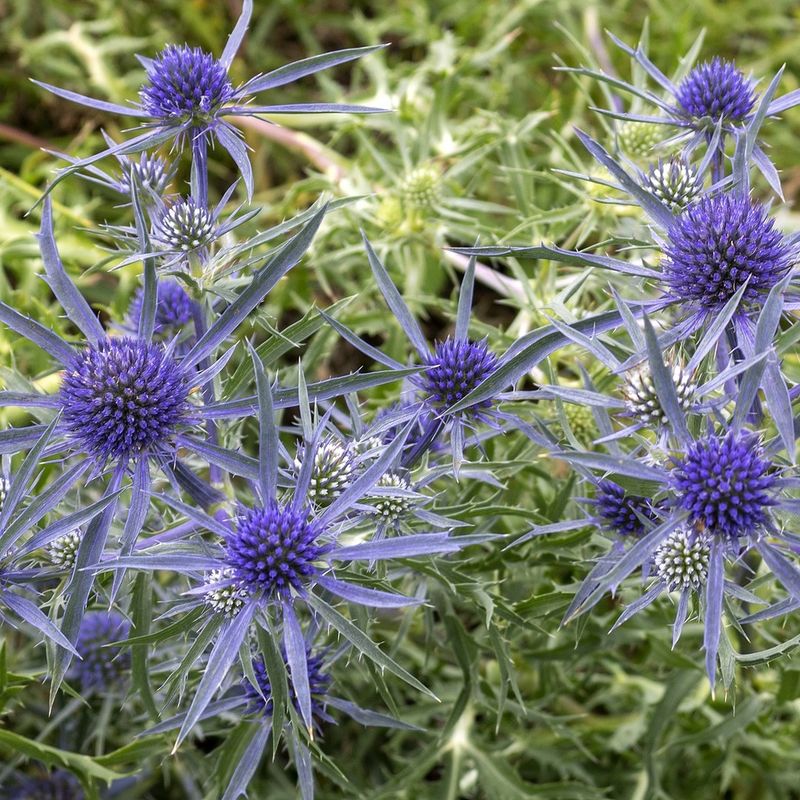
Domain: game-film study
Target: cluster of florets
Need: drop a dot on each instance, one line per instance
(64, 550)
(334, 468)
(273, 549)
(716, 90)
(392, 509)
(674, 182)
(123, 396)
(622, 513)
(638, 139)
(173, 307)
(225, 594)
(185, 226)
(682, 560)
(720, 243)
(185, 84)
(100, 667)
(641, 398)
(581, 422)
(725, 484)
(150, 172)
(455, 369)
(260, 697)
(420, 188)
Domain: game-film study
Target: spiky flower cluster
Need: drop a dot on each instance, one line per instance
(682, 560)
(185, 226)
(229, 596)
(420, 188)
(173, 307)
(581, 422)
(334, 468)
(101, 668)
(725, 483)
(185, 84)
(720, 243)
(123, 396)
(273, 549)
(392, 509)
(64, 550)
(674, 182)
(717, 90)
(455, 369)
(260, 697)
(148, 172)
(638, 139)
(622, 513)
(642, 400)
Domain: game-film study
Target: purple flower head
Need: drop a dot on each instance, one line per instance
(173, 307)
(318, 682)
(273, 549)
(716, 245)
(725, 484)
(100, 667)
(123, 396)
(455, 369)
(621, 512)
(717, 90)
(185, 226)
(185, 84)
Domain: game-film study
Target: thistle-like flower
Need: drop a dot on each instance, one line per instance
(716, 245)
(184, 226)
(260, 697)
(641, 398)
(64, 550)
(334, 468)
(274, 549)
(638, 139)
(716, 91)
(150, 172)
(391, 509)
(224, 593)
(101, 668)
(674, 182)
(122, 397)
(726, 484)
(622, 513)
(188, 96)
(682, 560)
(421, 188)
(455, 368)
(173, 308)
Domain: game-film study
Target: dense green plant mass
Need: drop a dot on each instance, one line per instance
(292, 499)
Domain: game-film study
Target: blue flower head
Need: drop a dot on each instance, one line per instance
(123, 396)
(185, 85)
(716, 90)
(272, 549)
(622, 513)
(456, 367)
(173, 308)
(318, 682)
(725, 484)
(716, 245)
(100, 667)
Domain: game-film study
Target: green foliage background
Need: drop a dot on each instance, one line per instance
(481, 121)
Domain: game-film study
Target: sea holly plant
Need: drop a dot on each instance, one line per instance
(188, 98)
(276, 559)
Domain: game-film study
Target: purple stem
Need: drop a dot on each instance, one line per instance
(199, 319)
